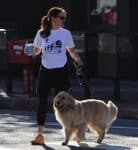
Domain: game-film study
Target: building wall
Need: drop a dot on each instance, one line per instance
(24, 16)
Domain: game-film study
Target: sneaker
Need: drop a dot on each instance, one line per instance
(39, 140)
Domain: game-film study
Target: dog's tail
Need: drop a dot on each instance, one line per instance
(112, 108)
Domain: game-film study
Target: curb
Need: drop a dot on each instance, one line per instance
(128, 112)
(30, 104)
(20, 103)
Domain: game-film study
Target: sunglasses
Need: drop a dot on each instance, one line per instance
(61, 17)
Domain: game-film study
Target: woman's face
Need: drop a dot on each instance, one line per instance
(59, 20)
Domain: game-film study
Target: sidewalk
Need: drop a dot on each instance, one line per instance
(18, 128)
(101, 89)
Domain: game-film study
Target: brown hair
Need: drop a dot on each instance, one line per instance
(46, 20)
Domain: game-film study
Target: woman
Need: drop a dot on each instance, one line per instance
(52, 40)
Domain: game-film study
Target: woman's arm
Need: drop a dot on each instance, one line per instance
(75, 56)
(37, 43)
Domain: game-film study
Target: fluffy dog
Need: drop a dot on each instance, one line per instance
(75, 116)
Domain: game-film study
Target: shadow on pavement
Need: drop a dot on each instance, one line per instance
(47, 147)
(84, 146)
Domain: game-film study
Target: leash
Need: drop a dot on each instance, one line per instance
(78, 75)
(82, 81)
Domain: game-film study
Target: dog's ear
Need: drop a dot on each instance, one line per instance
(61, 97)
(70, 105)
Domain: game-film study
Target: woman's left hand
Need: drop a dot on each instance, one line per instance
(78, 68)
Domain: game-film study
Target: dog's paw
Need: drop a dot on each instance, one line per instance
(98, 141)
(64, 143)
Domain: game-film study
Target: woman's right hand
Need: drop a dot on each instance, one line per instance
(33, 51)
(28, 49)
(36, 51)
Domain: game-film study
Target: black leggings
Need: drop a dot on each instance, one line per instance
(50, 78)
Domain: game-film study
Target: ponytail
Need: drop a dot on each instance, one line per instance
(45, 26)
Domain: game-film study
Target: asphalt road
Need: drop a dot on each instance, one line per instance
(18, 128)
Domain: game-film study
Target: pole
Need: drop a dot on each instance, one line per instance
(116, 81)
(87, 92)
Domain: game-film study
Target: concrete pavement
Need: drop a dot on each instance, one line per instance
(18, 124)
(18, 128)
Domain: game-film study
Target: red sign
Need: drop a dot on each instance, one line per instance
(16, 53)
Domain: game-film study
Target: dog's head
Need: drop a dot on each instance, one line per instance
(63, 102)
